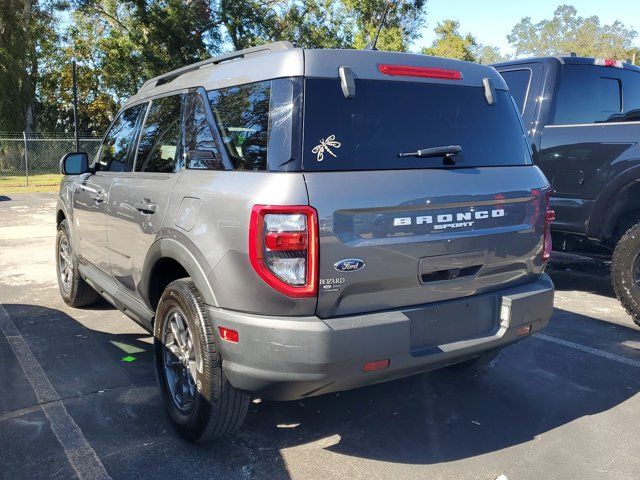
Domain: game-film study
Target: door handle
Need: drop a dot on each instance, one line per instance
(100, 197)
(146, 206)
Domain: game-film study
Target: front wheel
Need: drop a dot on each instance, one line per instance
(625, 272)
(73, 289)
(199, 400)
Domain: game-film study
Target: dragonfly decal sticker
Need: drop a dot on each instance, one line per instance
(326, 144)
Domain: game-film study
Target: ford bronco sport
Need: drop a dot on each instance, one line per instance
(583, 120)
(293, 222)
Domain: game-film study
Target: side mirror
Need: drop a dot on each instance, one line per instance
(75, 163)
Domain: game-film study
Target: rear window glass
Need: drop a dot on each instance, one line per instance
(385, 118)
(587, 95)
(518, 82)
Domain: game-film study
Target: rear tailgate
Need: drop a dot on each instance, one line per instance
(391, 239)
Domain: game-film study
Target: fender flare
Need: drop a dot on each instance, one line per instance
(605, 209)
(193, 262)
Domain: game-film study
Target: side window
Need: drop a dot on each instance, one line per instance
(631, 94)
(518, 82)
(114, 153)
(159, 146)
(588, 95)
(242, 116)
(202, 151)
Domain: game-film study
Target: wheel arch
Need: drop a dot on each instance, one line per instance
(619, 199)
(169, 259)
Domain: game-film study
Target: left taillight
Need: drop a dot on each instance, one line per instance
(283, 248)
(542, 204)
(549, 216)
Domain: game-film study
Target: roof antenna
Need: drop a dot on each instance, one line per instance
(372, 44)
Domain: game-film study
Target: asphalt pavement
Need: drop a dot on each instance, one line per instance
(562, 404)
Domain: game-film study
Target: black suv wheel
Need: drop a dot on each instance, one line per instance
(200, 401)
(73, 289)
(625, 272)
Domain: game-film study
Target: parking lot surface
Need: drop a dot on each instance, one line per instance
(560, 404)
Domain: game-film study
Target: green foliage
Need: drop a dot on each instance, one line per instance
(27, 40)
(15, 83)
(486, 55)
(567, 32)
(450, 43)
(402, 25)
(306, 23)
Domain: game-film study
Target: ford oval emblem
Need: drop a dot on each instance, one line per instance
(349, 265)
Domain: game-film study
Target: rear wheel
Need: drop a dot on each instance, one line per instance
(200, 401)
(73, 289)
(625, 272)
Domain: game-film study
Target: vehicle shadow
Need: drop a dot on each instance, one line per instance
(574, 272)
(531, 388)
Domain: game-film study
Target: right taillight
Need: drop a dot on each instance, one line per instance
(283, 248)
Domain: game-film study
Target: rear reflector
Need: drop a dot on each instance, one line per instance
(229, 335)
(377, 365)
(427, 72)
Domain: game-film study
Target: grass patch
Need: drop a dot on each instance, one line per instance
(40, 182)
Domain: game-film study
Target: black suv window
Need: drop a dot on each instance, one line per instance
(518, 82)
(242, 116)
(588, 94)
(385, 118)
(202, 151)
(159, 145)
(631, 97)
(114, 153)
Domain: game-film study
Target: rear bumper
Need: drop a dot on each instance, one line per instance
(286, 358)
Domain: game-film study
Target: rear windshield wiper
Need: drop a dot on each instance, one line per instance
(447, 152)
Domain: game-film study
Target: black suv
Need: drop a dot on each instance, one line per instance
(583, 119)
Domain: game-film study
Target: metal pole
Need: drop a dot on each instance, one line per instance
(26, 157)
(75, 106)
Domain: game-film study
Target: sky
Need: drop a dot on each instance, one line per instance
(490, 21)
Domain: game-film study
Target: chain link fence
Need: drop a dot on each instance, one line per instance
(33, 159)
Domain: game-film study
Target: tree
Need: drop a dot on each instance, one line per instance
(450, 43)
(486, 55)
(15, 83)
(403, 23)
(306, 23)
(567, 32)
(27, 39)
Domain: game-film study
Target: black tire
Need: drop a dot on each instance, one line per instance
(73, 289)
(214, 408)
(625, 272)
(477, 363)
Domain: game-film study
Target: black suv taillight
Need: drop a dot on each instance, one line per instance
(542, 205)
(550, 216)
(283, 248)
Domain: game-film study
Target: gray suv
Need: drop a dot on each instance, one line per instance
(293, 222)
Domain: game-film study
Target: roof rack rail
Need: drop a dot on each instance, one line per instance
(260, 49)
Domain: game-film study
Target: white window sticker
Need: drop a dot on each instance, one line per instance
(326, 144)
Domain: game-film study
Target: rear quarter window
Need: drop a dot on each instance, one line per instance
(518, 82)
(588, 94)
